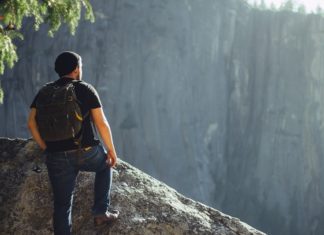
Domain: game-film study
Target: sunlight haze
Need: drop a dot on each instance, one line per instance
(310, 5)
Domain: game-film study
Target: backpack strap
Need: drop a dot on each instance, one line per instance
(78, 141)
(94, 129)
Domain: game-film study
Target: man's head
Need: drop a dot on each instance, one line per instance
(69, 63)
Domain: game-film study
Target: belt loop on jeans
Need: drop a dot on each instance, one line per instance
(78, 150)
(87, 148)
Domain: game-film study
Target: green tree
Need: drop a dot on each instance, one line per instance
(53, 12)
(301, 9)
(263, 6)
(273, 7)
(255, 5)
(319, 10)
(288, 5)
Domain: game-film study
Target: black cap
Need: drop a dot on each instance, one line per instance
(66, 62)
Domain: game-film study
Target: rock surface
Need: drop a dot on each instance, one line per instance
(147, 205)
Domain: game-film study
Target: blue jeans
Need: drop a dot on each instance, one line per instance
(63, 168)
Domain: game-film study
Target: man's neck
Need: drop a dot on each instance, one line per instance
(69, 77)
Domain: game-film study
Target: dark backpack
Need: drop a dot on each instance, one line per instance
(58, 114)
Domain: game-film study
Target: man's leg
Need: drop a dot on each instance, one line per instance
(95, 161)
(62, 178)
(102, 191)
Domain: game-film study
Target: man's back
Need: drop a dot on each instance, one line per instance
(88, 99)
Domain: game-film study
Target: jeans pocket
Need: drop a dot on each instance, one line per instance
(56, 166)
(95, 159)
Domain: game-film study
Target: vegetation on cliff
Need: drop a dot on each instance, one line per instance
(53, 12)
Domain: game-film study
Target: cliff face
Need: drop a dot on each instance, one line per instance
(218, 100)
(147, 206)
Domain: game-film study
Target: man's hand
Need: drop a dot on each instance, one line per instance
(103, 128)
(111, 159)
(32, 125)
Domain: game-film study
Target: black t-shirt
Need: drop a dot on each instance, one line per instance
(89, 99)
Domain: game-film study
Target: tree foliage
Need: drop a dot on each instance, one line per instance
(286, 5)
(273, 7)
(262, 6)
(301, 9)
(53, 12)
(319, 10)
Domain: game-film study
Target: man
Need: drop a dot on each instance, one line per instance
(66, 157)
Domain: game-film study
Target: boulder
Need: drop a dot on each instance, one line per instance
(146, 205)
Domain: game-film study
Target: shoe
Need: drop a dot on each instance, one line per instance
(107, 218)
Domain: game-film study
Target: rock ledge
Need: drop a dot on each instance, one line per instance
(147, 205)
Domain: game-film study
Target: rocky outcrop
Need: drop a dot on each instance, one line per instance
(147, 205)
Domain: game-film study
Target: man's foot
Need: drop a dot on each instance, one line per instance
(107, 218)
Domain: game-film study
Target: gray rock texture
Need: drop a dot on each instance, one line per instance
(147, 205)
(220, 101)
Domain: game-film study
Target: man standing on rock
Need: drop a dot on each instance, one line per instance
(60, 122)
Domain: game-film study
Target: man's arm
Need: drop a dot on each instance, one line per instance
(32, 125)
(103, 128)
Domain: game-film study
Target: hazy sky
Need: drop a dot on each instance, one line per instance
(310, 5)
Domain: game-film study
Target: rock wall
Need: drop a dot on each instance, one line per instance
(147, 206)
(220, 101)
